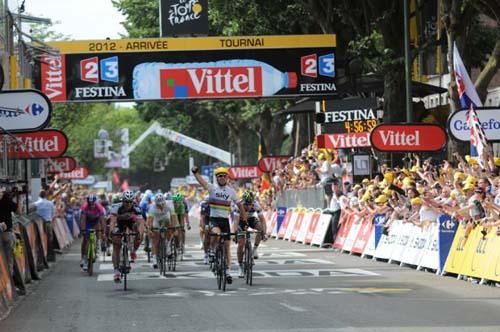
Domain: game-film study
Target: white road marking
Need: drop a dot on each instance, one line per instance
(292, 261)
(297, 309)
(301, 273)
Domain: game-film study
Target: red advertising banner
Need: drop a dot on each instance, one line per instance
(66, 164)
(270, 163)
(343, 141)
(53, 77)
(244, 172)
(38, 145)
(408, 137)
(79, 173)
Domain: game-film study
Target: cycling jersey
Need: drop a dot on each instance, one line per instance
(255, 210)
(159, 215)
(92, 215)
(220, 199)
(124, 221)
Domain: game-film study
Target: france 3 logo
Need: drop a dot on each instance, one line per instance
(89, 69)
(309, 65)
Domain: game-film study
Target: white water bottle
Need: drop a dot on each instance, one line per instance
(220, 79)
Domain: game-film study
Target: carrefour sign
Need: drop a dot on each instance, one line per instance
(459, 129)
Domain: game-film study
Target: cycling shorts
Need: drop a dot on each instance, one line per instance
(222, 224)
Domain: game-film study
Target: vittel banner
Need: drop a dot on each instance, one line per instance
(270, 163)
(78, 173)
(343, 141)
(244, 172)
(190, 68)
(38, 145)
(408, 138)
(66, 164)
(459, 129)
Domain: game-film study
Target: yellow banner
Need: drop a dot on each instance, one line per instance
(193, 44)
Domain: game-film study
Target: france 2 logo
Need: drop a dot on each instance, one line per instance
(309, 65)
(89, 69)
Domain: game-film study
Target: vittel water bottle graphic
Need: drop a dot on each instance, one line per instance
(228, 78)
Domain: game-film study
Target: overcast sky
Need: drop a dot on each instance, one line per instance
(79, 19)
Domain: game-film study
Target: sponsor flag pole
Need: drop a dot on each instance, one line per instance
(466, 91)
(262, 151)
(477, 136)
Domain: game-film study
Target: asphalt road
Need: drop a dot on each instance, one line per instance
(296, 288)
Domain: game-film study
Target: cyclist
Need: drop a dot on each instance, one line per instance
(205, 228)
(220, 197)
(255, 220)
(159, 215)
(181, 210)
(91, 217)
(125, 215)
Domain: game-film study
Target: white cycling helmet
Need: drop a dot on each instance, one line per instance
(159, 198)
(128, 196)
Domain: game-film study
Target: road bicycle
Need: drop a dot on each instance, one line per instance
(248, 260)
(127, 239)
(220, 262)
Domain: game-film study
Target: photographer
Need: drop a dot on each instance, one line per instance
(7, 237)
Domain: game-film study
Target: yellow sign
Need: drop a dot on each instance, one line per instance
(187, 44)
(457, 252)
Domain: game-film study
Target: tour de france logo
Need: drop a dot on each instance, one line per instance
(184, 11)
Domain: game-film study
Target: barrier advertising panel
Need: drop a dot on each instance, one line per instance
(189, 68)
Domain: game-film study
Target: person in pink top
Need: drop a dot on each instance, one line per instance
(91, 217)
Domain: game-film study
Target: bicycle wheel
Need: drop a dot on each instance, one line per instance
(248, 253)
(91, 256)
(161, 256)
(250, 264)
(125, 266)
(224, 268)
(174, 255)
(147, 247)
(218, 267)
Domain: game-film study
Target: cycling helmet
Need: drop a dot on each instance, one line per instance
(248, 197)
(178, 197)
(159, 199)
(128, 196)
(168, 196)
(91, 198)
(221, 170)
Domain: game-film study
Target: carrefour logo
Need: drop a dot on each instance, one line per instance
(32, 109)
(92, 69)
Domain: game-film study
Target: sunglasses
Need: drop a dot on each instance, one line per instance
(221, 175)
